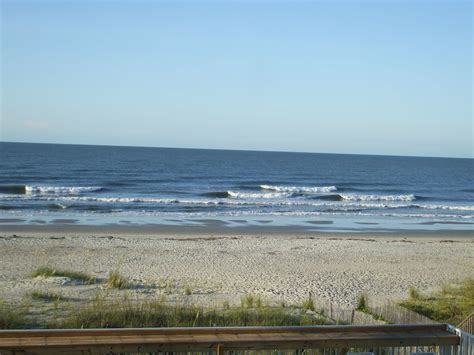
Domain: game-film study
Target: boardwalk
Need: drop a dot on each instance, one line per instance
(97, 341)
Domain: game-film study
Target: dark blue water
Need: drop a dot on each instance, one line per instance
(100, 181)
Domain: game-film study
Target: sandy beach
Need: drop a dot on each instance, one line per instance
(215, 266)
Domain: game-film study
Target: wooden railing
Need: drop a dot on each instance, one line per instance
(217, 340)
(467, 324)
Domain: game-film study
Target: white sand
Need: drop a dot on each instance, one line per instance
(282, 267)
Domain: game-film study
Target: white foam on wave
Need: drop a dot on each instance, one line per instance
(119, 199)
(354, 197)
(64, 190)
(303, 189)
(447, 207)
(256, 195)
(246, 199)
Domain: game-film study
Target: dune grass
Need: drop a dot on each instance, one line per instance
(451, 304)
(46, 295)
(362, 303)
(308, 303)
(188, 291)
(117, 280)
(47, 271)
(12, 316)
(157, 313)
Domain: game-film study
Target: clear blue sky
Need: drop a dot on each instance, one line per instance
(373, 77)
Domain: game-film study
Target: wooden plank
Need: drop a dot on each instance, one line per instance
(222, 330)
(180, 339)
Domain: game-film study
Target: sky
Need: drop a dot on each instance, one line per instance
(363, 77)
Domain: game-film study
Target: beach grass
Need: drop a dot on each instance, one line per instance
(188, 291)
(250, 301)
(451, 304)
(362, 303)
(117, 280)
(308, 303)
(46, 295)
(158, 313)
(47, 271)
(12, 316)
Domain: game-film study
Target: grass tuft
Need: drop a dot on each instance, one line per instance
(46, 271)
(414, 294)
(362, 303)
(308, 304)
(46, 295)
(247, 301)
(117, 280)
(12, 316)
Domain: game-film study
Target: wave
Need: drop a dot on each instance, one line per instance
(447, 207)
(324, 203)
(219, 194)
(354, 197)
(332, 197)
(304, 189)
(57, 206)
(62, 190)
(245, 195)
(15, 189)
(257, 195)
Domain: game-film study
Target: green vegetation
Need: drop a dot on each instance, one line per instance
(157, 313)
(46, 271)
(251, 301)
(188, 291)
(414, 293)
(46, 295)
(12, 316)
(363, 306)
(451, 304)
(308, 304)
(362, 303)
(117, 280)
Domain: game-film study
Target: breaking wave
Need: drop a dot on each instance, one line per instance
(60, 190)
(354, 197)
(300, 189)
(256, 195)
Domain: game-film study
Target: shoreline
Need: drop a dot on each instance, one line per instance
(215, 226)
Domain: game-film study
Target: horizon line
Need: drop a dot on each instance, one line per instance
(240, 150)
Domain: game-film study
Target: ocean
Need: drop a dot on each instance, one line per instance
(112, 184)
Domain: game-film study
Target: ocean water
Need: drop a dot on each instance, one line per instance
(100, 183)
